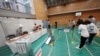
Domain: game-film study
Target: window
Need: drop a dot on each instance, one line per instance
(28, 8)
(58, 2)
(25, 0)
(55, 2)
(17, 7)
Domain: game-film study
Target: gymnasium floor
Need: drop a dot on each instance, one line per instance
(64, 45)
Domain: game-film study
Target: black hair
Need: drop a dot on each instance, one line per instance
(34, 23)
(87, 22)
(25, 32)
(82, 22)
(90, 16)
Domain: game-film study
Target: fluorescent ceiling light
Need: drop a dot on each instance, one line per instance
(6, 0)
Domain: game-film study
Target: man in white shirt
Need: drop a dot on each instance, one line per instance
(83, 31)
(92, 28)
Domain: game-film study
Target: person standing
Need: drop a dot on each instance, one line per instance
(83, 31)
(69, 24)
(56, 24)
(49, 24)
(92, 28)
(72, 27)
(73, 24)
(45, 23)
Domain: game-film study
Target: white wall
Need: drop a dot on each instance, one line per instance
(11, 24)
(28, 24)
(2, 36)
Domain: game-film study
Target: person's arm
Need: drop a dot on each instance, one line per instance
(96, 29)
(79, 29)
(88, 28)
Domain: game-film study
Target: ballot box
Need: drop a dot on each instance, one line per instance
(24, 47)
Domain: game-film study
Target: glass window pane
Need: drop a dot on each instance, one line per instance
(25, 0)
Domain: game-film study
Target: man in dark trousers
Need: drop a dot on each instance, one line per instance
(92, 28)
(56, 24)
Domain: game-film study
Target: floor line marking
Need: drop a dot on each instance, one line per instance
(68, 44)
(50, 51)
(96, 43)
(40, 45)
(52, 47)
(84, 46)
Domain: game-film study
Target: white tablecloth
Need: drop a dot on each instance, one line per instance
(29, 38)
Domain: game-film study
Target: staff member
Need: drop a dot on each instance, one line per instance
(19, 31)
(83, 31)
(35, 27)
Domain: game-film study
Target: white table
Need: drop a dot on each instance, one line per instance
(30, 38)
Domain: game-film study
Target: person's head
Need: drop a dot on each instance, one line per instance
(72, 20)
(91, 16)
(82, 22)
(34, 23)
(79, 19)
(39, 25)
(25, 32)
